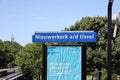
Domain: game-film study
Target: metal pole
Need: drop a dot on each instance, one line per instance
(44, 66)
(109, 39)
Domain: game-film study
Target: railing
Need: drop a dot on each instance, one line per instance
(12, 76)
(2, 70)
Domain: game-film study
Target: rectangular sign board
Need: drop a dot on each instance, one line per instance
(64, 62)
(64, 36)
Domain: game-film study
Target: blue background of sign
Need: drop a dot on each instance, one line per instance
(64, 36)
(64, 63)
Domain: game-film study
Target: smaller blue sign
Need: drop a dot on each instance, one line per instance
(64, 63)
(64, 36)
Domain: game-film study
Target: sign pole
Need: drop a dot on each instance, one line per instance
(44, 67)
(84, 62)
(109, 39)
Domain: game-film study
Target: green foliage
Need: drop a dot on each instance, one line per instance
(7, 53)
(2, 55)
(30, 59)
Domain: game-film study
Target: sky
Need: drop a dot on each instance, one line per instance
(22, 18)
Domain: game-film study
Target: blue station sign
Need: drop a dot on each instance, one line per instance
(64, 36)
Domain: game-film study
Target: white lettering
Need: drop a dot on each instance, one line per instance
(87, 36)
(51, 37)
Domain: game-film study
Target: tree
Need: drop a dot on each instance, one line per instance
(3, 58)
(30, 59)
(8, 52)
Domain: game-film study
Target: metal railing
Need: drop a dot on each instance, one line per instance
(12, 76)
